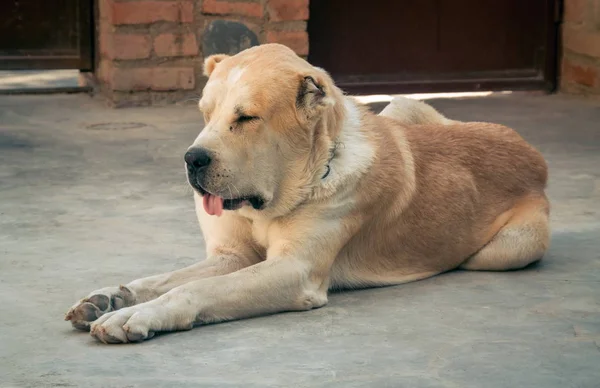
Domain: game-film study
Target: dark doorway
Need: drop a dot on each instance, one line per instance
(382, 46)
(46, 34)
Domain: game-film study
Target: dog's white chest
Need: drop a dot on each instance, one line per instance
(260, 232)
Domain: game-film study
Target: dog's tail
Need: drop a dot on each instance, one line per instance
(409, 112)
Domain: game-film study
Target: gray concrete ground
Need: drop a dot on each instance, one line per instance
(91, 197)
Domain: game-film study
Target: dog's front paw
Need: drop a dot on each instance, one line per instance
(126, 325)
(97, 304)
(140, 322)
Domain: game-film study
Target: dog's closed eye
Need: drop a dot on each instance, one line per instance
(245, 119)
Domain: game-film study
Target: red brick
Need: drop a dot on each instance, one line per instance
(122, 46)
(581, 41)
(580, 74)
(286, 10)
(173, 78)
(296, 40)
(596, 13)
(130, 79)
(223, 7)
(159, 78)
(105, 38)
(575, 10)
(144, 12)
(104, 9)
(172, 45)
(104, 70)
(186, 12)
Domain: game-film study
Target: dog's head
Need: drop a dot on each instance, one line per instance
(271, 119)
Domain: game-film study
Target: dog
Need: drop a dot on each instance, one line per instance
(300, 189)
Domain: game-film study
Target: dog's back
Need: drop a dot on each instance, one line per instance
(496, 154)
(409, 111)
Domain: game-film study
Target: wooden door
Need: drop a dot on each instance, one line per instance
(396, 46)
(46, 34)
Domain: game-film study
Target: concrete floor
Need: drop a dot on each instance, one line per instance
(91, 197)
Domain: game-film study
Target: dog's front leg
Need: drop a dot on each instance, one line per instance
(105, 300)
(294, 277)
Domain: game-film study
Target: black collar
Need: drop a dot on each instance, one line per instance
(331, 156)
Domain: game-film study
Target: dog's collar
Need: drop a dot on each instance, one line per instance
(331, 156)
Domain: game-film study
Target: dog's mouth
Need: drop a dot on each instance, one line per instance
(214, 204)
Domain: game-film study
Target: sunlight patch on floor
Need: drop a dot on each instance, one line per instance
(425, 96)
(38, 79)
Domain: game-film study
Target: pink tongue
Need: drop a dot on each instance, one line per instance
(213, 204)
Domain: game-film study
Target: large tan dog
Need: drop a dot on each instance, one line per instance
(300, 189)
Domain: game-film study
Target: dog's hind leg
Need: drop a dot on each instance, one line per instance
(521, 241)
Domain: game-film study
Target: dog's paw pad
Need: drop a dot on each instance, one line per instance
(102, 302)
(97, 304)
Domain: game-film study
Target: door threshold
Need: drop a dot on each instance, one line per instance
(41, 82)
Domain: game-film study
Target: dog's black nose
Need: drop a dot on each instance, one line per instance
(197, 158)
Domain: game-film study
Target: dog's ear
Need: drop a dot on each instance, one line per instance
(313, 95)
(212, 61)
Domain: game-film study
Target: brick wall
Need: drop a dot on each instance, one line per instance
(151, 51)
(580, 68)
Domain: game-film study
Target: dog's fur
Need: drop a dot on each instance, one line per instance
(351, 199)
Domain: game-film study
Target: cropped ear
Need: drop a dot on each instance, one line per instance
(212, 61)
(313, 95)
